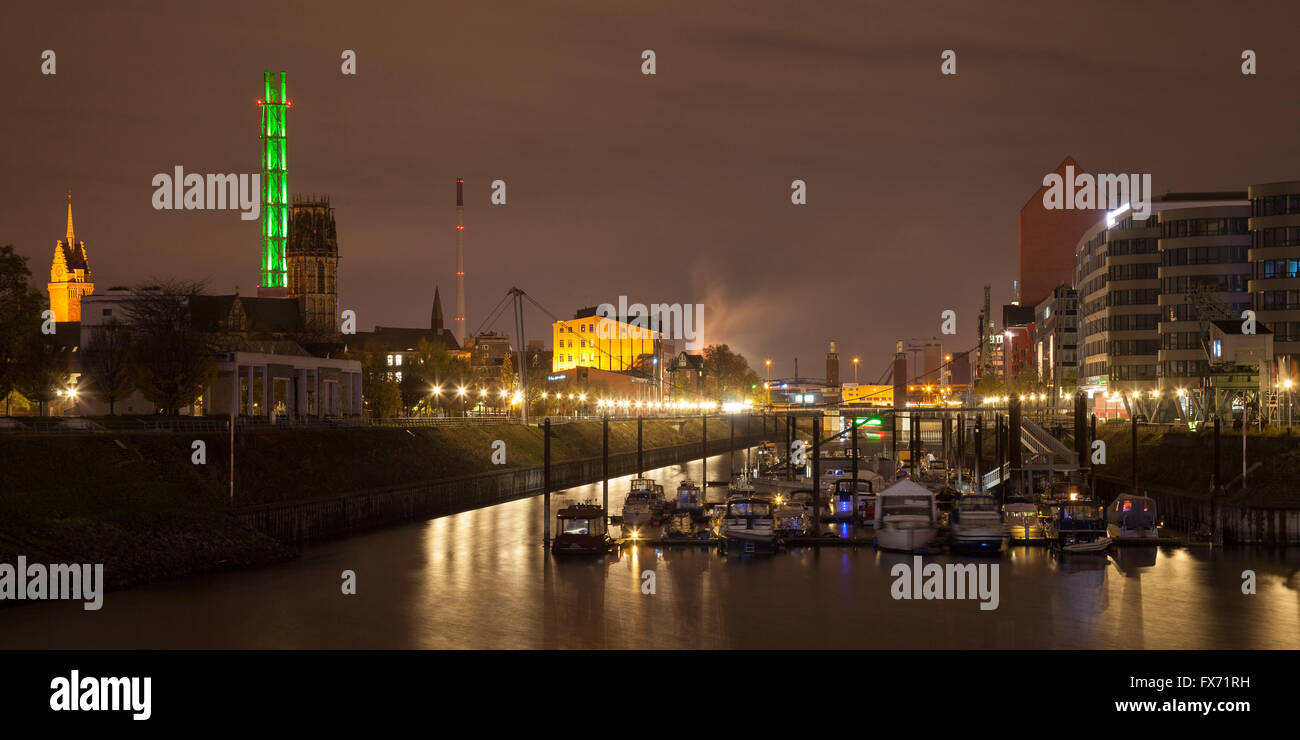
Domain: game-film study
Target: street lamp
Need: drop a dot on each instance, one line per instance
(855, 370)
(768, 385)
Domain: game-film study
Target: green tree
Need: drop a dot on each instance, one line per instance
(432, 366)
(992, 384)
(21, 305)
(388, 399)
(45, 371)
(1027, 382)
(727, 375)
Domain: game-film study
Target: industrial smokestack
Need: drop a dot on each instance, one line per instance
(833, 367)
(900, 377)
(460, 262)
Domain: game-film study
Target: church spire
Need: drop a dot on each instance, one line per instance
(435, 321)
(71, 239)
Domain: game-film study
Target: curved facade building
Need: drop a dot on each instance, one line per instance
(1133, 281)
(1203, 270)
(1275, 266)
(1090, 283)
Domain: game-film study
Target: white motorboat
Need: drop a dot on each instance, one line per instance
(848, 498)
(792, 518)
(747, 525)
(1024, 525)
(644, 503)
(977, 525)
(905, 517)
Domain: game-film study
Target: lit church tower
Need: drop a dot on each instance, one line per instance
(69, 275)
(312, 261)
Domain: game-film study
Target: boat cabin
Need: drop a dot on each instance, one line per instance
(905, 500)
(1133, 515)
(580, 528)
(850, 496)
(689, 496)
(1079, 515)
(644, 484)
(581, 519)
(748, 507)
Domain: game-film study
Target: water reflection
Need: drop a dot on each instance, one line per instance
(481, 579)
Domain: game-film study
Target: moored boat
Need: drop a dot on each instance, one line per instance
(741, 485)
(1132, 518)
(905, 517)
(580, 528)
(644, 504)
(687, 525)
(1077, 526)
(945, 500)
(977, 525)
(690, 499)
(791, 518)
(1023, 524)
(747, 525)
(847, 498)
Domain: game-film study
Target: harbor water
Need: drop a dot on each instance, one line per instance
(481, 579)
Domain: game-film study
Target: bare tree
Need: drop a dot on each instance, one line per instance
(172, 361)
(106, 361)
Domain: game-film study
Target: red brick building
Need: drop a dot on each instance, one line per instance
(1046, 241)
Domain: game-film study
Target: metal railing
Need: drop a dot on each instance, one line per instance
(52, 425)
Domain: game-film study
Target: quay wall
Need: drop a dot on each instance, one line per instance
(1240, 523)
(142, 503)
(302, 521)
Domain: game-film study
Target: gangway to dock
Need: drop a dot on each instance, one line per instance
(1041, 453)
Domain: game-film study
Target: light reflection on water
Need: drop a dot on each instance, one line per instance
(481, 579)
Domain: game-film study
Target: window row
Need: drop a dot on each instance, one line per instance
(1211, 283)
(1275, 205)
(1203, 227)
(1203, 255)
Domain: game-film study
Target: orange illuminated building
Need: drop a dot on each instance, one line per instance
(69, 276)
(602, 342)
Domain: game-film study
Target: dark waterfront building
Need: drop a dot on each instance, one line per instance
(1018, 333)
(1204, 274)
(1056, 337)
(398, 345)
(959, 369)
(1274, 255)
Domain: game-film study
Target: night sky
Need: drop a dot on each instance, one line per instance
(671, 188)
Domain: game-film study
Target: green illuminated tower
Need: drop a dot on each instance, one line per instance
(275, 186)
